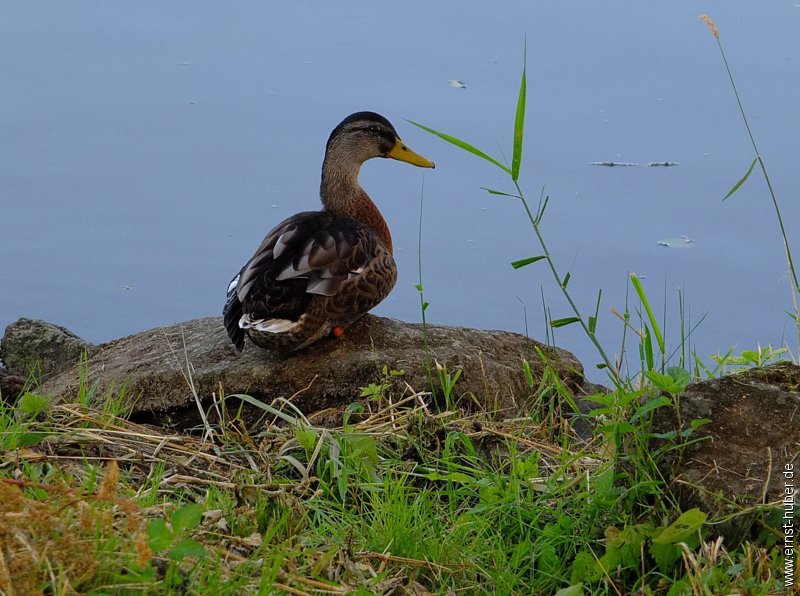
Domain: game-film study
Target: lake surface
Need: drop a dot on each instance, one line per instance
(146, 148)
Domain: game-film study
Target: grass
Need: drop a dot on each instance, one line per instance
(794, 284)
(412, 496)
(407, 498)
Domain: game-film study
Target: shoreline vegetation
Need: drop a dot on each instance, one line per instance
(411, 489)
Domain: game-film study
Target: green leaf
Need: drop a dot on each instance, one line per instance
(680, 376)
(618, 428)
(355, 408)
(592, 324)
(373, 389)
(699, 422)
(623, 550)
(651, 405)
(750, 357)
(661, 381)
(547, 560)
(528, 261)
(665, 556)
(624, 398)
(669, 436)
(187, 548)
(186, 518)
(307, 438)
(681, 587)
(519, 120)
(584, 568)
(32, 438)
(462, 145)
(673, 383)
(604, 484)
(159, 536)
(19, 439)
(566, 280)
(33, 404)
(564, 322)
(741, 180)
(574, 589)
(688, 523)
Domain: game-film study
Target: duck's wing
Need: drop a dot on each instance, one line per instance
(309, 254)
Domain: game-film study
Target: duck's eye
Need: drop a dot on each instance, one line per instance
(373, 129)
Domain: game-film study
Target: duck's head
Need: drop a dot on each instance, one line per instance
(364, 135)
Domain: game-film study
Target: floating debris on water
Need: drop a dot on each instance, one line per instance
(652, 164)
(456, 84)
(682, 242)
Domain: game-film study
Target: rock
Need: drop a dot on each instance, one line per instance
(330, 374)
(754, 433)
(29, 344)
(10, 385)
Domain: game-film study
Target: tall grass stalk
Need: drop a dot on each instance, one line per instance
(795, 284)
(588, 324)
(423, 305)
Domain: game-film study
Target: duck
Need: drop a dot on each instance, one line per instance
(317, 272)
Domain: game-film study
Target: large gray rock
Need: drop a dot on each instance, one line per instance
(30, 346)
(754, 433)
(159, 364)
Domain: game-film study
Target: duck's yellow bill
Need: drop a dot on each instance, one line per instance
(403, 153)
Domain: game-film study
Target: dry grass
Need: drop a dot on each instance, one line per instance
(73, 530)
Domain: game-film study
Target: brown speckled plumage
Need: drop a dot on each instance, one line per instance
(322, 269)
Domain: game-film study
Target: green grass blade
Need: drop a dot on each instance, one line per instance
(499, 193)
(519, 120)
(648, 350)
(564, 322)
(267, 408)
(593, 320)
(637, 285)
(528, 261)
(543, 201)
(461, 145)
(741, 180)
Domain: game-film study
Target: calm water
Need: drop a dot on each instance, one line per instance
(146, 148)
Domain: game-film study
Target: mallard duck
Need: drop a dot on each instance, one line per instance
(319, 271)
